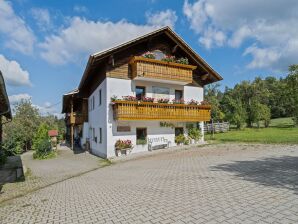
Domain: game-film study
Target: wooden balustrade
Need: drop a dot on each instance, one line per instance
(145, 68)
(76, 118)
(130, 110)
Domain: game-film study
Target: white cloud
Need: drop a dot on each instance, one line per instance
(13, 73)
(80, 9)
(18, 97)
(162, 18)
(270, 28)
(84, 37)
(45, 109)
(212, 38)
(42, 17)
(262, 57)
(18, 36)
(48, 108)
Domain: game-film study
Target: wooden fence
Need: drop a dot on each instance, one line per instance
(217, 127)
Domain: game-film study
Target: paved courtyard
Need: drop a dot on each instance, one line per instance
(227, 183)
(41, 173)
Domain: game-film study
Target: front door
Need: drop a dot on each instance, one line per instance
(178, 131)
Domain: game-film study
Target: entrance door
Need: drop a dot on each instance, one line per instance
(178, 131)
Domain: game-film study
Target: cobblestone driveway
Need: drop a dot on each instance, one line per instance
(211, 184)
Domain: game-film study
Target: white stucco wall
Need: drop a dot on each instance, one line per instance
(98, 119)
(193, 92)
(122, 87)
(102, 115)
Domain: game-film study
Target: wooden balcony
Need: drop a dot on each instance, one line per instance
(129, 110)
(151, 69)
(76, 118)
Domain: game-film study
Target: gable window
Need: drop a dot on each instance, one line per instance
(100, 135)
(141, 136)
(178, 94)
(99, 96)
(140, 92)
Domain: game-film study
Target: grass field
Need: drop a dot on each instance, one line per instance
(281, 131)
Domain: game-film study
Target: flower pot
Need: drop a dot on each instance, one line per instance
(118, 152)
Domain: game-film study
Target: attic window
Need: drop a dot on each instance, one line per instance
(158, 54)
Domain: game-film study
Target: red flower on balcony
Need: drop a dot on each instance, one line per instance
(174, 101)
(129, 98)
(148, 99)
(163, 100)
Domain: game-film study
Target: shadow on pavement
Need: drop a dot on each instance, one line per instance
(280, 172)
(11, 171)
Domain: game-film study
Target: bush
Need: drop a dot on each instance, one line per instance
(180, 139)
(43, 150)
(42, 144)
(194, 133)
(2, 157)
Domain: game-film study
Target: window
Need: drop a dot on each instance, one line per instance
(160, 92)
(94, 137)
(93, 102)
(100, 135)
(178, 94)
(140, 92)
(99, 96)
(141, 136)
(178, 131)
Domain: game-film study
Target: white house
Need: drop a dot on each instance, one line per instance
(124, 93)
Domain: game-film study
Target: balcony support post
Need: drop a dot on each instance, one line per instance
(71, 125)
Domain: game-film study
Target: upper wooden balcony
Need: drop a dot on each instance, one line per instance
(157, 70)
(76, 118)
(130, 110)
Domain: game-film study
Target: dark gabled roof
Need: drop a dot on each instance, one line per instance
(4, 101)
(165, 30)
(66, 98)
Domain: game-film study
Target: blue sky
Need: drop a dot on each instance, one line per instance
(44, 45)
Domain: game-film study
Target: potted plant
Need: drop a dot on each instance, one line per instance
(148, 99)
(169, 58)
(193, 102)
(163, 100)
(114, 98)
(123, 145)
(129, 98)
(148, 54)
(174, 101)
(194, 134)
(180, 139)
(182, 61)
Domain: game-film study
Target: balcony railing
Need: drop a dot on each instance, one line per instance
(130, 110)
(76, 118)
(148, 69)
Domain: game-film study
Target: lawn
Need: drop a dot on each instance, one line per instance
(281, 131)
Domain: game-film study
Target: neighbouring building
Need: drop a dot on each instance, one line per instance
(5, 112)
(147, 90)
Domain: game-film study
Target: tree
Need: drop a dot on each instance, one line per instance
(233, 108)
(19, 133)
(292, 83)
(213, 95)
